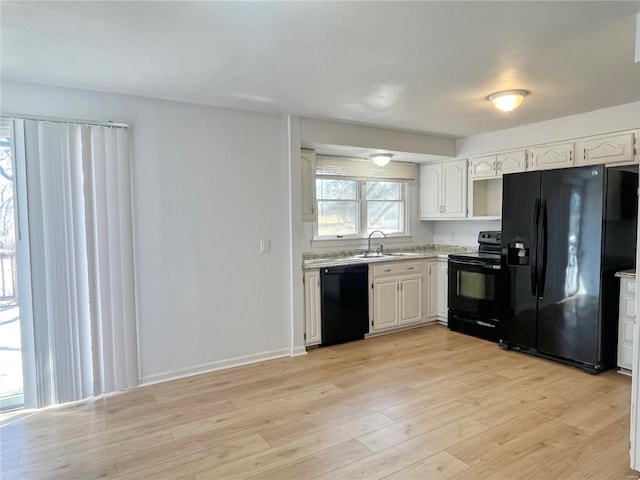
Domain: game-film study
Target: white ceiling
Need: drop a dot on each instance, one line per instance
(417, 66)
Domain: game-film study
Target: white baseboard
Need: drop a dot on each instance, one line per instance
(297, 351)
(213, 366)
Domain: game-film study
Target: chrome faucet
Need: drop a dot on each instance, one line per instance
(369, 244)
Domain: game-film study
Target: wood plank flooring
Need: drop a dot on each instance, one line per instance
(421, 404)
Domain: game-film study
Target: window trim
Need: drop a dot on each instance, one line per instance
(405, 195)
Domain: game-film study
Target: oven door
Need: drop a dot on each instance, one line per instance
(476, 287)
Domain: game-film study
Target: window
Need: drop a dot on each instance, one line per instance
(385, 207)
(338, 207)
(353, 208)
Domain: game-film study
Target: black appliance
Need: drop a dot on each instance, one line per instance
(564, 235)
(345, 303)
(476, 289)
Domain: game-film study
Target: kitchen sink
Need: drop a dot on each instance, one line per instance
(403, 254)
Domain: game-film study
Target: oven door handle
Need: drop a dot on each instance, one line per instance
(475, 263)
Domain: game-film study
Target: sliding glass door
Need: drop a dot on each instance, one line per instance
(11, 362)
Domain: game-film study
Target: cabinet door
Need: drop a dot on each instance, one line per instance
(607, 149)
(307, 170)
(454, 189)
(410, 298)
(385, 303)
(432, 289)
(626, 323)
(312, 329)
(443, 286)
(512, 162)
(559, 155)
(483, 167)
(430, 191)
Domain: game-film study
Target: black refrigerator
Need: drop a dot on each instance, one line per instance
(565, 233)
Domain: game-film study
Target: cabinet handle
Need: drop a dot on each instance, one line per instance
(388, 270)
(584, 154)
(410, 268)
(313, 209)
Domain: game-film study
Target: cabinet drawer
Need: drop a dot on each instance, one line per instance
(396, 268)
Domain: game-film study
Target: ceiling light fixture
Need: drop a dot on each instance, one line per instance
(507, 100)
(381, 159)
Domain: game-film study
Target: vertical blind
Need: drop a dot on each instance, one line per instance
(81, 248)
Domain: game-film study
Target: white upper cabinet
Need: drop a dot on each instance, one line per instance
(618, 148)
(511, 162)
(483, 167)
(557, 155)
(307, 170)
(490, 166)
(443, 190)
(454, 189)
(431, 191)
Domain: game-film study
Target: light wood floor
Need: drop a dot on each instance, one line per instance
(422, 404)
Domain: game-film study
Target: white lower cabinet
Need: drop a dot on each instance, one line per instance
(312, 325)
(410, 298)
(432, 288)
(626, 322)
(397, 294)
(443, 290)
(385, 303)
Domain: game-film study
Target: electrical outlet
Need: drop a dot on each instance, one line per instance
(452, 236)
(265, 246)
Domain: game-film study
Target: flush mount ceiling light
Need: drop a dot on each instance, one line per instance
(381, 159)
(507, 100)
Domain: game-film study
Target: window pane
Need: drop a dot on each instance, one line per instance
(336, 189)
(385, 216)
(383, 191)
(337, 218)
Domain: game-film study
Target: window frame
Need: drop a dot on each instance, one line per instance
(362, 203)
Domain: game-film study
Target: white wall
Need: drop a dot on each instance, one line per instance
(461, 232)
(315, 132)
(209, 183)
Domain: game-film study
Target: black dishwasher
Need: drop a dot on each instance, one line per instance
(345, 303)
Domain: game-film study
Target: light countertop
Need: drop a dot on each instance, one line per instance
(631, 273)
(336, 259)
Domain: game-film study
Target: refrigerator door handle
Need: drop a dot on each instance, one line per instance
(541, 260)
(533, 253)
